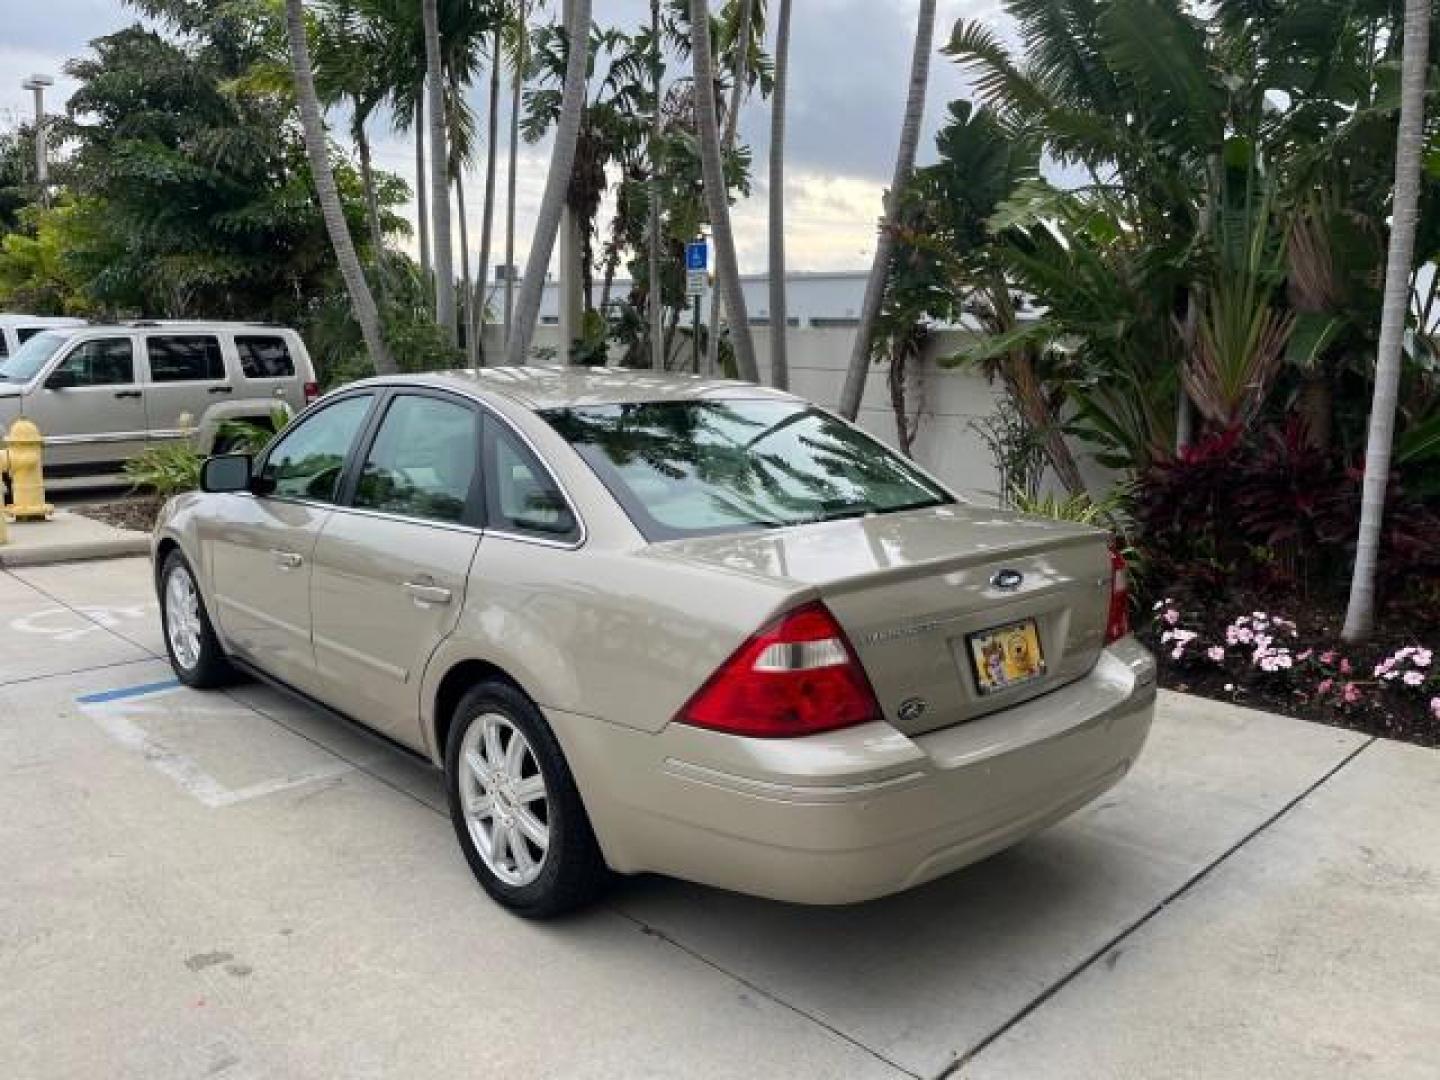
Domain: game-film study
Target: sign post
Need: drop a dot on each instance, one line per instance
(697, 277)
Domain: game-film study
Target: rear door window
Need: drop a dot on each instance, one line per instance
(264, 357)
(185, 358)
(424, 460)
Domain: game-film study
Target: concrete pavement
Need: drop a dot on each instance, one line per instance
(232, 884)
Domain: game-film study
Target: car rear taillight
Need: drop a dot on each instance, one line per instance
(796, 676)
(312, 391)
(1117, 623)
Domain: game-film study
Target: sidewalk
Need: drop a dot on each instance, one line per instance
(68, 537)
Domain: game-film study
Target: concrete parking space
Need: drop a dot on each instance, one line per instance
(233, 884)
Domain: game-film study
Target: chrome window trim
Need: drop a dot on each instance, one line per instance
(488, 410)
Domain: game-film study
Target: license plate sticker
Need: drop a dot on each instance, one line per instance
(1006, 656)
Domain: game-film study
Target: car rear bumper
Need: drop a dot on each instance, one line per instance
(851, 815)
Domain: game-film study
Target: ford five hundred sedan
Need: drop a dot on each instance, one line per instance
(663, 623)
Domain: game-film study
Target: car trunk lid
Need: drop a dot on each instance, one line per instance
(917, 591)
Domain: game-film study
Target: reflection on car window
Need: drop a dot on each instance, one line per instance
(692, 468)
(31, 357)
(520, 496)
(264, 357)
(307, 462)
(185, 358)
(102, 362)
(423, 460)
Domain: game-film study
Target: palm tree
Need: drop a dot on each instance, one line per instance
(854, 388)
(422, 192)
(741, 50)
(779, 321)
(717, 195)
(657, 127)
(557, 183)
(1409, 144)
(520, 39)
(317, 149)
(439, 174)
(477, 301)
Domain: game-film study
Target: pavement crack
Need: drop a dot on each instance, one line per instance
(1112, 945)
(654, 931)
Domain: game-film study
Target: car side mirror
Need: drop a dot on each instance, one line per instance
(225, 473)
(60, 380)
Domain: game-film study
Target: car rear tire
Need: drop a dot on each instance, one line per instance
(194, 650)
(515, 808)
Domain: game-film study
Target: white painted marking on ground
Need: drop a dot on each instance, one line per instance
(118, 720)
(53, 622)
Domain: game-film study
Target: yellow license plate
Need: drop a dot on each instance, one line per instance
(1006, 656)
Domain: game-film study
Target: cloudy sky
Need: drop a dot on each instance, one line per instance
(849, 65)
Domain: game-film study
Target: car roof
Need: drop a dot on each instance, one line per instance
(15, 318)
(553, 387)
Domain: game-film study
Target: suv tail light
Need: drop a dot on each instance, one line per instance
(312, 391)
(1117, 623)
(796, 676)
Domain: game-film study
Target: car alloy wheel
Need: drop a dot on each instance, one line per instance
(505, 801)
(182, 617)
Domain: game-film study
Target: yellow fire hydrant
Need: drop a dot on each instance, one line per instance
(21, 461)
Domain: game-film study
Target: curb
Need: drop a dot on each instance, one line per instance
(78, 551)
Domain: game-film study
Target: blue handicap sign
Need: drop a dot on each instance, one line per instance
(697, 255)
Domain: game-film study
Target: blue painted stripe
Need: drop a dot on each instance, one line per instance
(128, 692)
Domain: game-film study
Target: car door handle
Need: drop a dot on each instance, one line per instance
(127, 393)
(428, 594)
(222, 389)
(287, 560)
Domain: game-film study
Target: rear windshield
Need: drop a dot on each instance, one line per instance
(698, 468)
(31, 357)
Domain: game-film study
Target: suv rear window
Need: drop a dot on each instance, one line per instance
(185, 358)
(265, 358)
(697, 468)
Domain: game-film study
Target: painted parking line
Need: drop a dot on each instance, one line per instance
(118, 712)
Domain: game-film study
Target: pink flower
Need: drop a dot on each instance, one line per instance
(1345, 668)
(1328, 656)
(1422, 657)
(1435, 707)
(1326, 685)
(1171, 616)
(1350, 694)
(1413, 678)
(1306, 654)
(1216, 653)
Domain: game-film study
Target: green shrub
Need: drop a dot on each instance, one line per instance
(165, 470)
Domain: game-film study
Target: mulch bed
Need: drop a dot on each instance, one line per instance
(136, 513)
(1305, 670)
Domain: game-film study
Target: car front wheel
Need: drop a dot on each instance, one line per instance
(515, 807)
(195, 652)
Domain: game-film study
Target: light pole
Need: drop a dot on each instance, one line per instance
(37, 84)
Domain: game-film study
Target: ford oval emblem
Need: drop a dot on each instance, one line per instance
(911, 709)
(1009, 580)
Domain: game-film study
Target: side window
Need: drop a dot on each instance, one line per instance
(102, 362)
(25, 333)
(265, 358)
(423, 460)
(4, 346)
(520, 496)
(185, 358)
(308, 461)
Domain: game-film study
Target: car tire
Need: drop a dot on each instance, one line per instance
(194, 650)
(500, 809)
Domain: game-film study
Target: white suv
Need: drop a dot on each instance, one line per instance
(102, 394)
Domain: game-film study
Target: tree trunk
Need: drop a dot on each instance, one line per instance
(439, 174)
(517, 87)
(487, 228)
(422, 191)
(1316, 405)
(717, 195)
(732, 123)
(657, 130)
(372, 211)
(859, 369)
(317, 148)
(1409, 143)
(779, 309)
(552, 204)
(467, 293)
